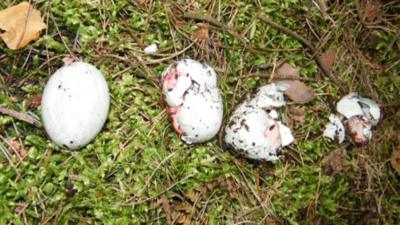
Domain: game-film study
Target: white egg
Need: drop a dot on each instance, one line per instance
(254, 130)
(75, 105)
(194, 100)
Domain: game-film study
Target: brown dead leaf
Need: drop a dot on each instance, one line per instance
(192, 196)
(287, 70)
(67, 60)
(372, 10)
(35, 101)
(296, 116)
(298, 92)
(335, 160)
(167, 208)
(22, 24)
(327, 60)
(16, 146)
(142, 1)
(201, 33)
(184, 214)
(395, 159)
(183, 218)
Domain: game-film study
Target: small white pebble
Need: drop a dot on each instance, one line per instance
(151, 49)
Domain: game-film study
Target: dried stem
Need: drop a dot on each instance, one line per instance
(21, 116)
(305, 42)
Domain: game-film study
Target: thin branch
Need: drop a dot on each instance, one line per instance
(5, 153)
(21, 116)
(230, 30)
(305, 42)
(280, 77)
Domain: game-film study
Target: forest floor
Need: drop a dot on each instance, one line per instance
(137, 171)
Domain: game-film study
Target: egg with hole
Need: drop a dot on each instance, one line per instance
(75, 104)
(356, 116)
(254, 130)
(194, 100)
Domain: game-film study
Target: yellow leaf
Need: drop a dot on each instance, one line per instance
(22, 24)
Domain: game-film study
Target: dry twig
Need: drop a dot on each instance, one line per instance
(21, 116)
(230, 30)
(305, 42)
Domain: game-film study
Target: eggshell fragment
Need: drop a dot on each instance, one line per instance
(151, 49)
(353, 105)
(194, 100)
(357, 116)
(75, 105)
(254, 130)
(335, 128)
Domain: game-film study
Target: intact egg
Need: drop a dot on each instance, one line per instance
(75, 105)
(194, 100)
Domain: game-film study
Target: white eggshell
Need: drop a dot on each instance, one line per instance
(151, 49)
(353, 105)
(286, 134)
(244, 133)
(191, 73)
(75, 105)
(200, 117)
(270, 96)
(334, 128)
(190, 87)
(357, 116)
(255, 133)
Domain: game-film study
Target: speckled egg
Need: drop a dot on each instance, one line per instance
(194, 100)
(253, 130)
(75, 105)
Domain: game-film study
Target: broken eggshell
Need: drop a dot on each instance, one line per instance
(75, 105)
(194, 100)
(253, 129)
(355, 105)
(335, 128)
(357, 116)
